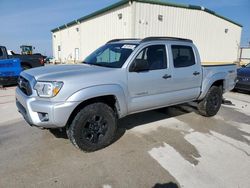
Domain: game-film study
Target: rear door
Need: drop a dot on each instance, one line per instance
(187, 72)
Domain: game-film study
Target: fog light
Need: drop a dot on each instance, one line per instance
(44, 117)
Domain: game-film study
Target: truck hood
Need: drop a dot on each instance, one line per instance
(62, 72)
(76, 77)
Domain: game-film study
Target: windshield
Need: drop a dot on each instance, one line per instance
(248, 65)
(111, 55)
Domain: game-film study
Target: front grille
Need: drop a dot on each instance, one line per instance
(24, 86)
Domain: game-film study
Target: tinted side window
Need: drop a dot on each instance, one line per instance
(1, 52)
(183, 56)
(155, 56)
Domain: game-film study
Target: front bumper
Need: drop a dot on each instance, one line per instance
(57, 113)
(9, 80)
(243, 86)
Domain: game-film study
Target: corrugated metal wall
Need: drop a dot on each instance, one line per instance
(217, 39)
(207, 31)
(68, 40)
(92, 33)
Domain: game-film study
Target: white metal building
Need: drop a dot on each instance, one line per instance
(217, 37)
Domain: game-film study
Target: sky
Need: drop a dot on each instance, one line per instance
(29, 22)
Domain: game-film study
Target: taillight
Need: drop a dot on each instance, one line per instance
(41, 60)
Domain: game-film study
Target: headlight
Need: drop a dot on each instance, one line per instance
(48, 89)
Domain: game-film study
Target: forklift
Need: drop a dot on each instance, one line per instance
(27, 49)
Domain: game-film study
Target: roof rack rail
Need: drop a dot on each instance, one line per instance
(116, 40)
(165, 38)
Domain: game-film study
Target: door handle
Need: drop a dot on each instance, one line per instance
(166, 76)
(196, 73)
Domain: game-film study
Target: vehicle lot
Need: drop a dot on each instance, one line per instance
(171, 147)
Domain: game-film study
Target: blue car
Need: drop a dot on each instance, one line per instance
(10, 68)
(243, 78)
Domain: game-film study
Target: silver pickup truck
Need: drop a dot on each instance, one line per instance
(123, 77)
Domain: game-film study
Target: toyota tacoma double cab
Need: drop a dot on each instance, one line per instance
(123, 77)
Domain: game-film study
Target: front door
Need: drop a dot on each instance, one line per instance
(148, 88)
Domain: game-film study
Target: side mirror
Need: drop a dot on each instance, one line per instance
(139, 65)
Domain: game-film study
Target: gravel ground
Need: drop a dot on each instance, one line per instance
(173, 147)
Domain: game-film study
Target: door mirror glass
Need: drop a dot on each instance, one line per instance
(139, 65)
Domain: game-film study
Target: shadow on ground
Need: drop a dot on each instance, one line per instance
(166, 185)
(7, 87)
(139, 119)
(196, 122)
(241, 91)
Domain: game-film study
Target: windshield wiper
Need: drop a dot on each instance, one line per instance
(84, 62)
(98, 64)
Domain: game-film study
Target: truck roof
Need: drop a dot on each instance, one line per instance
(148, 39)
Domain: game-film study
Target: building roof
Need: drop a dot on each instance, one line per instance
(157, 2)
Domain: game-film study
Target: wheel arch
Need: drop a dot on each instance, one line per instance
(219, 83)
(216, 80)
(110, 100)
(110, 94)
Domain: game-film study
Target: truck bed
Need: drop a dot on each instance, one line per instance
(226, 72)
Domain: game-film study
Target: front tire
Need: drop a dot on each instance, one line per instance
(93, 128)
(211, 104)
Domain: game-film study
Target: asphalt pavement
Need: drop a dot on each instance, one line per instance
(173, 148)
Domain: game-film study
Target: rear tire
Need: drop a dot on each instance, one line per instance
(211, 104)
(93, 128)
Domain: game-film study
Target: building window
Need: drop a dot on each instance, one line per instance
(59, 48)
(160, 17)
(77, 29)
(120, 16)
